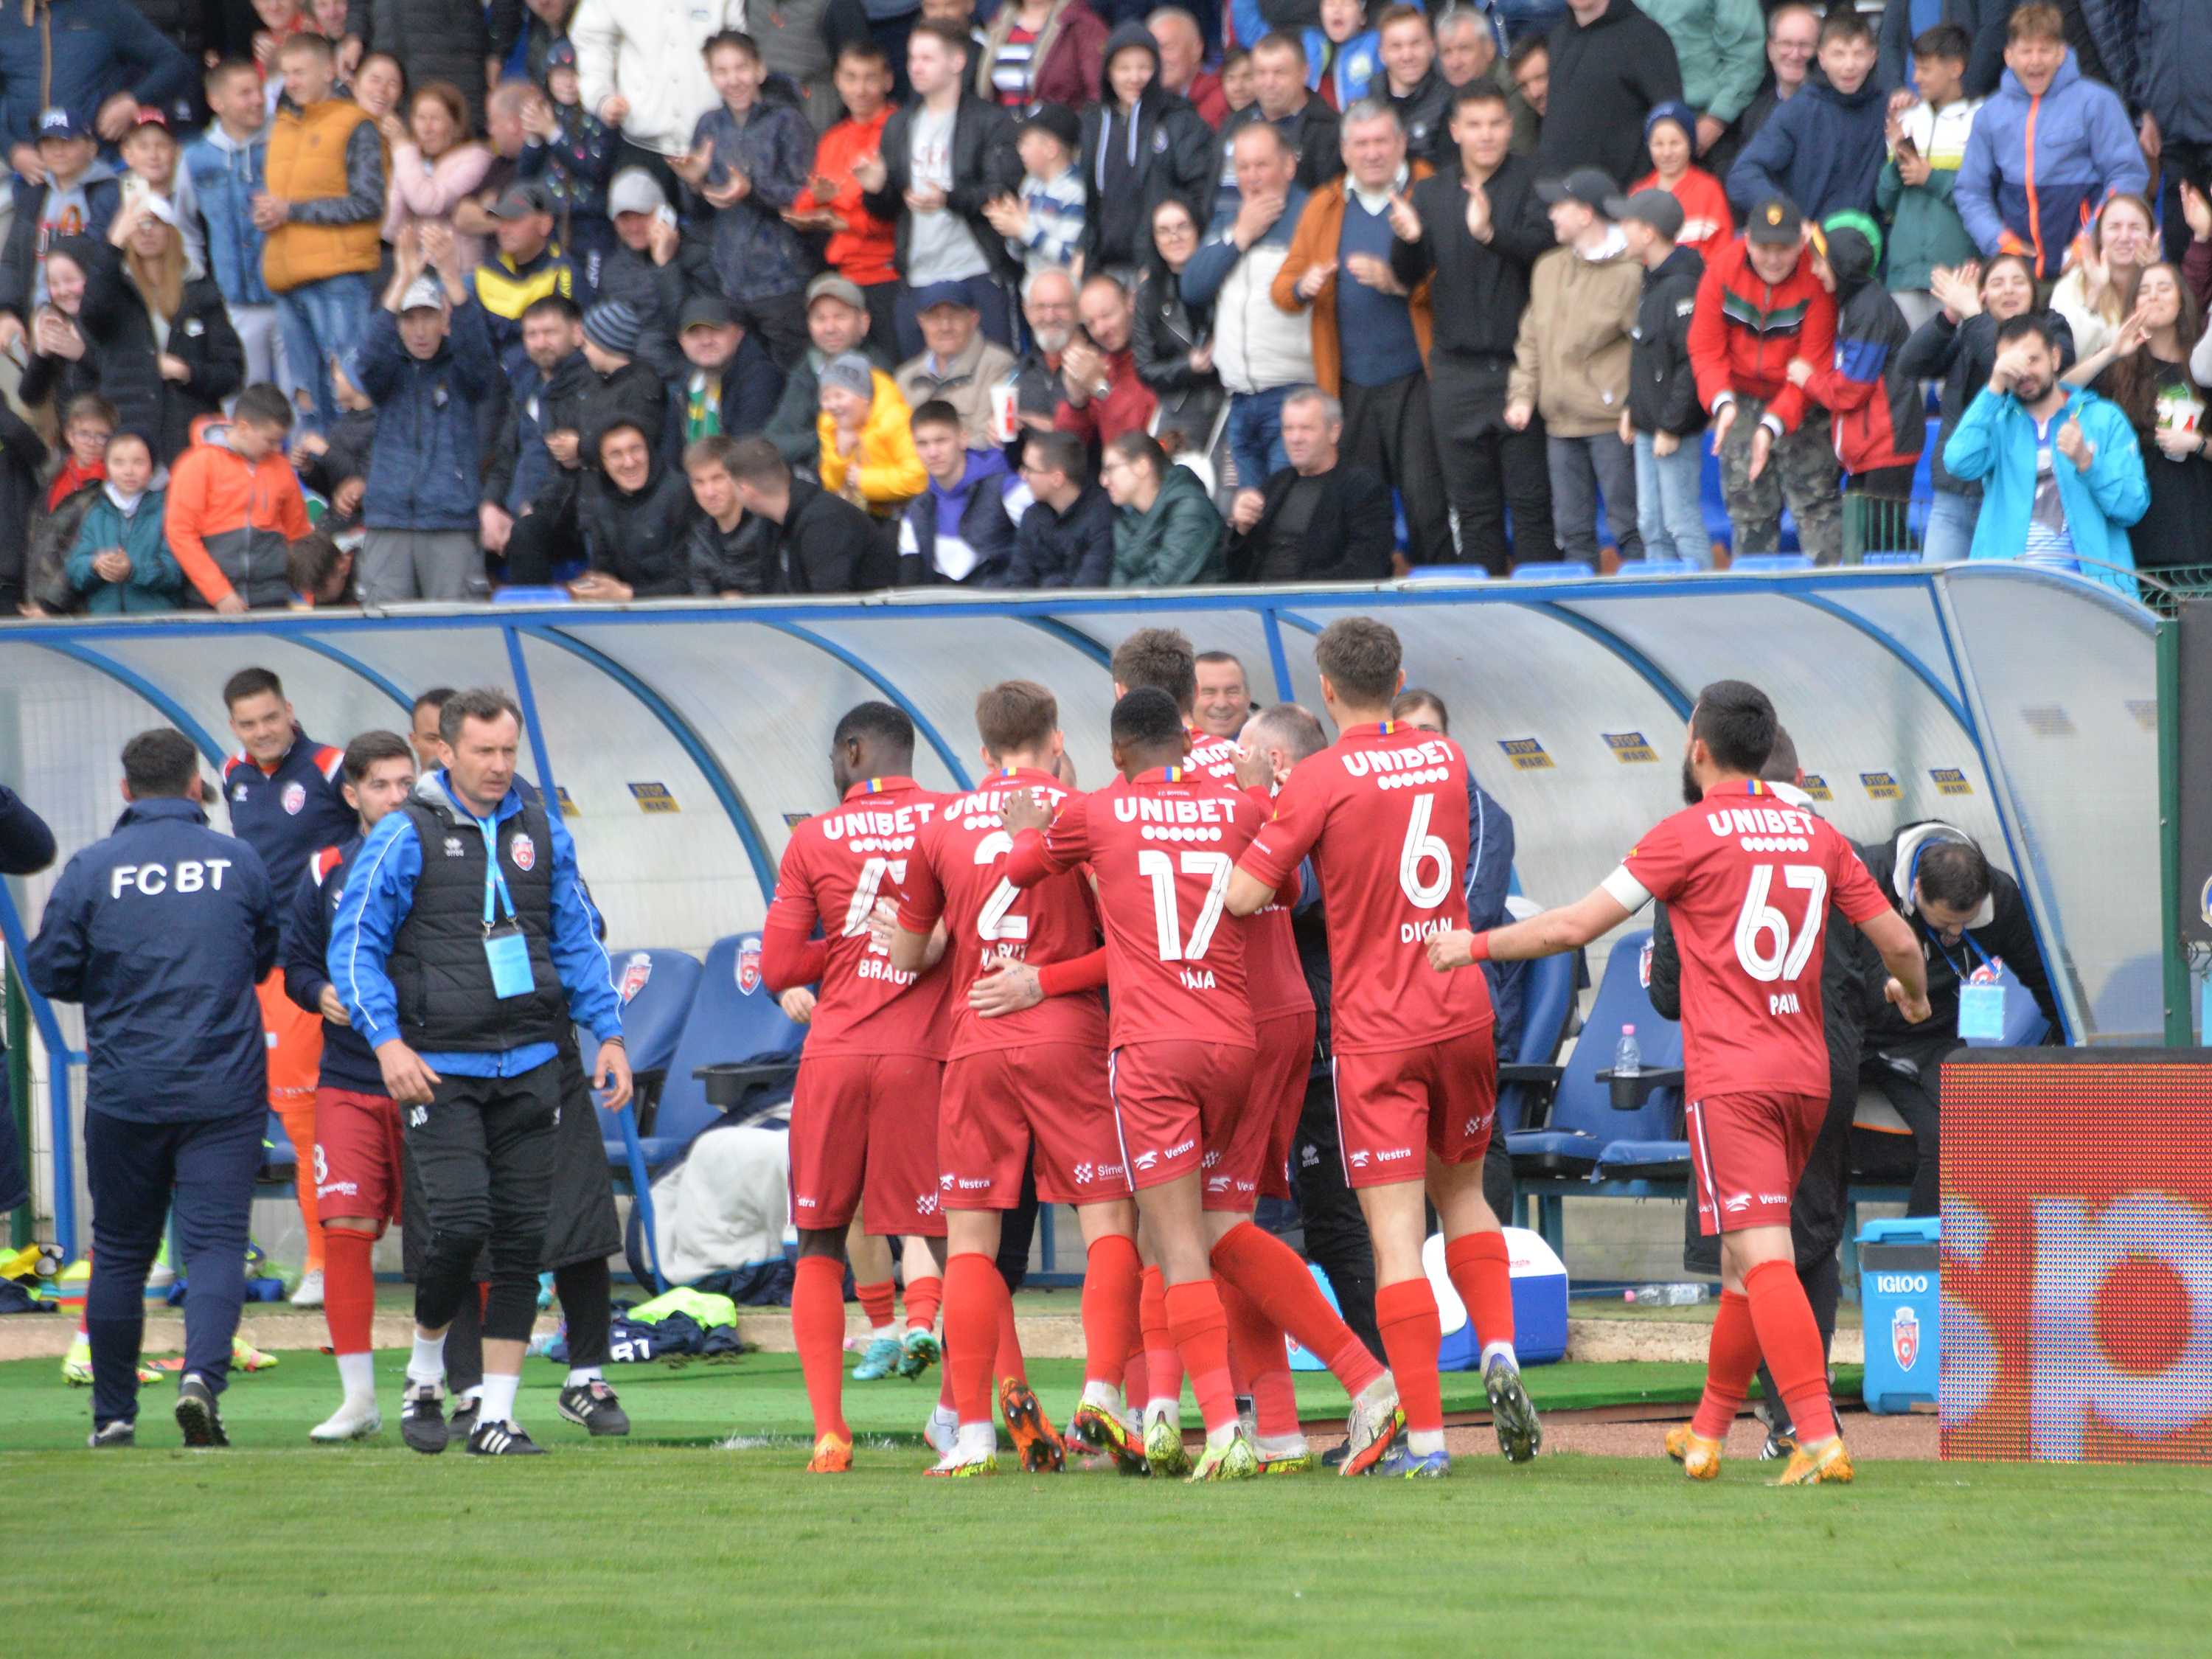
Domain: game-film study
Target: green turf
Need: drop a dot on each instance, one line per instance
(618, 1548)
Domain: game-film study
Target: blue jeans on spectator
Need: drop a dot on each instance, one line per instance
(322, 320)
(1255, 435)
(1669, 515)
(1949, 538)
(1582, 470)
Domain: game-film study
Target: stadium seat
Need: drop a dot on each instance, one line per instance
(531, 596)
(734, 1021)
(657, 988)
(1768, 564)
(1546, 1009)
(1446, 573)
(1553, 570)
(1892, 559)
(1656, 567)
(1583, 1131)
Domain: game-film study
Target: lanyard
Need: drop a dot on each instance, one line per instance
(495, 878)
(1975, 949)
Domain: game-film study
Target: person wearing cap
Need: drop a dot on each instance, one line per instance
(72, 192)
(150, 158)
(99, 58)
(733, 385)
(653, 267)
(571, 152)
(523, 267)
(164, 349)
(1664, 419)
(1043, 222)
(749, 161)
(1874, 402)
(861, 248)
(1670, 137)
(1571, 361)
(1141, 144)
(427, 361)
(1371, 333)
(1824, 149)
(1475, 229)
(621, 387)
(1759, 307)
(1610, 64)
(958, 367)
(1720, 48)
(867, 453)
(837, 321)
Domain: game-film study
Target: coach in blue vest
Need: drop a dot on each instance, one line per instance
(162, 931)
(462, 948)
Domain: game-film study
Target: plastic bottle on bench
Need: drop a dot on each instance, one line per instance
(1665, 1295)
(1627, 1057)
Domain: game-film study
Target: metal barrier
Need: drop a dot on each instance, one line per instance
(680, 740)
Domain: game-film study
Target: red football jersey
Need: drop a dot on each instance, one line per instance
(1274, 983)
(835, 868)
(1384, 813)
(1211, 756)
(1748, 881)
(958, 872)
(1161, 848)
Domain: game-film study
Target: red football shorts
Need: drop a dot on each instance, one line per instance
(357, 1161)
(296, 1044)
(1171, 1100)
(1000, 1103)
(1747, 1152)
(864, 1137)
(1261, 1148)
(1442, 1096)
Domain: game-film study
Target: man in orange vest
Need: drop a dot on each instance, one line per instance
(320, 215)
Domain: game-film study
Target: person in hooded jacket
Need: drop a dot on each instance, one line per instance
(961, 528)
(1881, 423)
(1824, 149)
(1664, 419)
(1141, 145)
(166, 352)
(636, 513)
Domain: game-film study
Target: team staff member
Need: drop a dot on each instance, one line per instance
(161, 932)
(460, 950)
(357, 1137)
(286, 804)
(1752, 1040)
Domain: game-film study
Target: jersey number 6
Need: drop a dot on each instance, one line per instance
(1421, 847)
(1788, 959)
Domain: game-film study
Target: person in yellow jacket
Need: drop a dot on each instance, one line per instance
(318, 216)
(867, 445)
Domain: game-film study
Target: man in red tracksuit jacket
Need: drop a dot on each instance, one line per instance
(1759, 307)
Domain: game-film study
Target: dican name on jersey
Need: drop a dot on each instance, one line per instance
(152, 879)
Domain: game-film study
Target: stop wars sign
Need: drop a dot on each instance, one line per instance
(2077, 1254)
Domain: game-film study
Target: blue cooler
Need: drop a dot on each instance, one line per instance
(1900, 1291)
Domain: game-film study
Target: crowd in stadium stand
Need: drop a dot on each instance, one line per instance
(335, 303)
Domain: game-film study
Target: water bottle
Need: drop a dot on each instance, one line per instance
(1665, 1295)
(1627, 1057)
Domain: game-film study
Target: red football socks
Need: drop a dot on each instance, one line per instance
(817, 1325)
(1008, 1363)
(1200, 1332)
(1110, 1280)
(972, 1292)
(349, 1288)
(1135, 1373)
(1406, 1313)
(878, 1301)
(1729, 1363)
(1269, 1272)
(1255, 1348)
(1163, 1366)
(1790, 1339)
(1482, 1273)
(922, 1297)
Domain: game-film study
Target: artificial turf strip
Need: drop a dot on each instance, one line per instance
(759, 1396)
(651, 1550)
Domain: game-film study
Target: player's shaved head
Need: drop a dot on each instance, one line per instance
(1147, 731)
(1361, 656)
(1017, 717)
(1782, 763)
(873, 739)
(1737, 723)
(1296, 731)
(1160, 658)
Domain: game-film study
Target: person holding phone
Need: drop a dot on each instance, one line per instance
(1927, 141)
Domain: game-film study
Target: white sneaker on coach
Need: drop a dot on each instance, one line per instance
(354, 1420)
(310, 1293)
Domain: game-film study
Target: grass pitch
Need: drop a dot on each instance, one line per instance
(659, 1546)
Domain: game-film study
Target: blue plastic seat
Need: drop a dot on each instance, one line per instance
(657, 988)
(1756, 564)
(1583, 1131)
(1553, 570)
(533, 596)
(1448, 573)
(1879, 559)
(1657, 567)
(1547, 1001)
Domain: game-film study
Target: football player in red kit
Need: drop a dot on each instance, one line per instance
(1031, 1080)
(1748, 881)
(1382, 814)
(863, 1107)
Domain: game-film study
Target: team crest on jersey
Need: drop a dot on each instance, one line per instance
(239, 793)
(635, 972)
(749, 968)
(294, 797)
(1905, 1336)
(524, 851)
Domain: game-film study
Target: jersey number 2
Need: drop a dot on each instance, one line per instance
(1758, 920)
(994, 923)
(1155, 867)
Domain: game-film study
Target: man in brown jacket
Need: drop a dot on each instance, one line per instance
(1370, 336)
(1570, 364)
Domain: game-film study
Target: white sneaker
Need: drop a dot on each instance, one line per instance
(942, 1430)
(354, 1420)
(310, 1293)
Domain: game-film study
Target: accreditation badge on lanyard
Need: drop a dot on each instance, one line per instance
(505, 947)
(1981, 994)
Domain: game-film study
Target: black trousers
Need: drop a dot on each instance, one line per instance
(482, 1151)
(1907, 1072)
(780, 321)
(1336, 1231)
(1387, 429)
(1487, 466)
